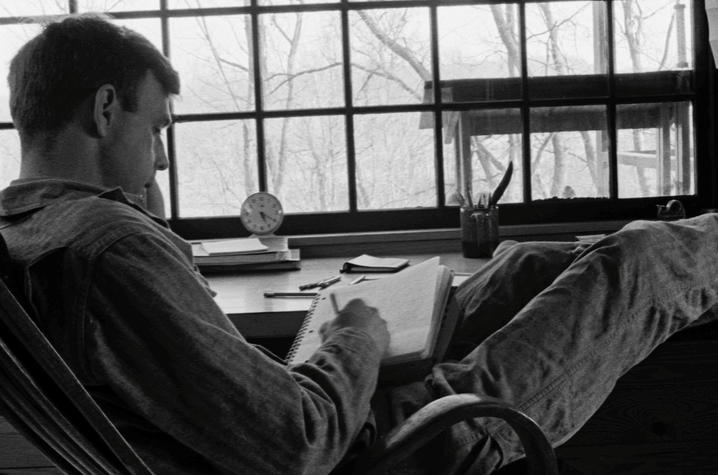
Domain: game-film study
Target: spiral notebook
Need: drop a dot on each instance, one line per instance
(413, 302)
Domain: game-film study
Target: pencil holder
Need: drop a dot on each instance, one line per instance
(486, 224)
(469, 246)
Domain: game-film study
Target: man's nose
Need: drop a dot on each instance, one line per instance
(161, 161)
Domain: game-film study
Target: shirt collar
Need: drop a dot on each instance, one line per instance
(31, 194)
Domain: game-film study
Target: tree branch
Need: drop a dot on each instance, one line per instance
(398, 49)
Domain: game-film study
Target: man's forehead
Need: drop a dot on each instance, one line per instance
(152, 97)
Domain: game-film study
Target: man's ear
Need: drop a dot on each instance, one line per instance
(105, 109)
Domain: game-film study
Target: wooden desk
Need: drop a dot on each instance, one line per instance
(241, 296)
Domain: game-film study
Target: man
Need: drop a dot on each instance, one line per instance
(117, 294)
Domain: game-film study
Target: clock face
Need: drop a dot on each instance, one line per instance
(262, 213)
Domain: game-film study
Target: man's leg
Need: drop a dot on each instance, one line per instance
(488, 300)
(560, 356)
(491, 297)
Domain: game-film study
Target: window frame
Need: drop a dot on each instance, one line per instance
(703, 100)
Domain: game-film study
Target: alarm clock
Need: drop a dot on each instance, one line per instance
(262, 213)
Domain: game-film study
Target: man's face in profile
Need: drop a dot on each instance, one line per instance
(133, 150)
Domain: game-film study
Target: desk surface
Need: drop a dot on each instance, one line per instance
(241, 296)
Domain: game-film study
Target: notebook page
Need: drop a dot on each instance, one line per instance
(406, 300)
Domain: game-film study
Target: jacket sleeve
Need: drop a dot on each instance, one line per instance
(160, 342)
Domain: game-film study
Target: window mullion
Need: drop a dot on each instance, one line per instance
(525, 109)
(349, 109)
(257, 77)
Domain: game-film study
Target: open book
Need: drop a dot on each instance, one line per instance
(413, 302)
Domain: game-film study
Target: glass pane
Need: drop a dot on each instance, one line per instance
(206, 3)
(569, 152)
(481, 143)
(213, 56)
(307, 162)
(566, 38)
(33, 7)
(655, 150)
(163, 180)
(12, 37)
(10, 153)
(394, 161)
(216, 166)
(150, 28)
(391, 56)
(116, 5)
(653, 35)
(479, 41)
(302, 60)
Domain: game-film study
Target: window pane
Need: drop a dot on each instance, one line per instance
(212, 55)
(116, 5)
(163, 180)
(307, 162)
(391, 55)
(33, 7)
(394, 161)
(12, 37)
(479, 41)
(10, 153)
(653, 35)
(302, 60)
(150, 28)
(563, 38)
(216, 166)
(478, 146)
(569, 152)
(655, 150)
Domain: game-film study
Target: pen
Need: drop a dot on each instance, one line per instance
(361, 278)
(270, 294)
(332, 280)
(321, 284)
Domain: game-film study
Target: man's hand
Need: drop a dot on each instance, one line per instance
(358, 315)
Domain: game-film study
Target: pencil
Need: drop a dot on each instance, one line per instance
(335, 306)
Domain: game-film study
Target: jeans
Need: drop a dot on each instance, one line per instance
(552, 326)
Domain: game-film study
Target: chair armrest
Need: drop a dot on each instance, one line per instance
(441, 414)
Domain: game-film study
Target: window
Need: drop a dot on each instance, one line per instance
(333, 105)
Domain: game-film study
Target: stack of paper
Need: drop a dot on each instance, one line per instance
(245, 254)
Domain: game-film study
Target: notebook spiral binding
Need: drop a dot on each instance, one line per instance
(302, 329)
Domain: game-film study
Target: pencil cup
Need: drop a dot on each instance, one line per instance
(486, 224)
(469, 246)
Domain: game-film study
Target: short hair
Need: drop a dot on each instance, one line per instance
(52, 74)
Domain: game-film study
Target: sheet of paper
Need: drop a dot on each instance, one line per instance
(408, 301)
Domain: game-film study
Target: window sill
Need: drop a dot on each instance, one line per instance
(436, 240)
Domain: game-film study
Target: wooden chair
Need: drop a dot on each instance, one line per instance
(44, 400)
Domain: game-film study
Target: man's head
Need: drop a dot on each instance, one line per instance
(60, 68)
(107, 81)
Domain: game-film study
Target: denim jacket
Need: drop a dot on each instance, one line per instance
(116, 292)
